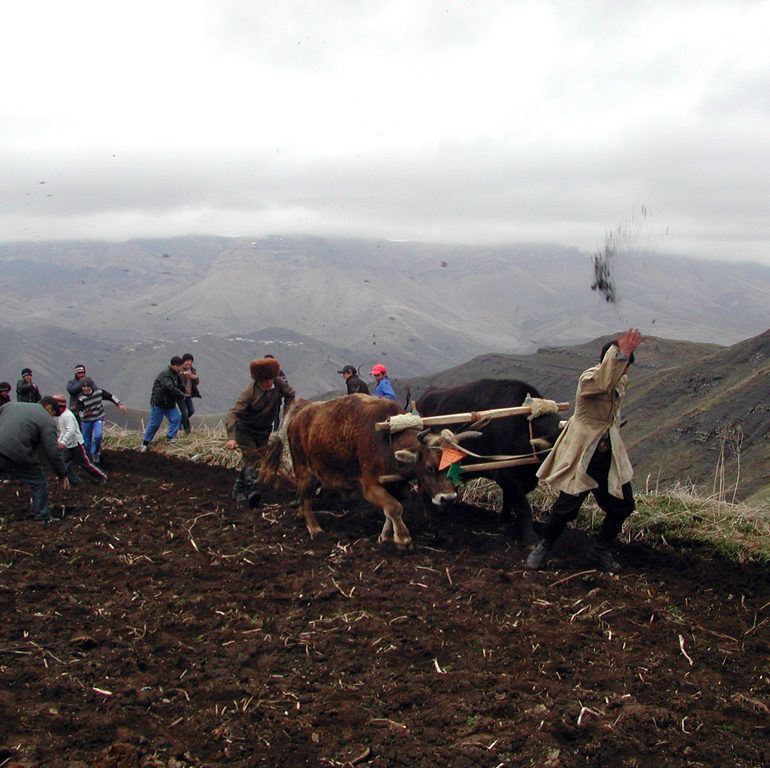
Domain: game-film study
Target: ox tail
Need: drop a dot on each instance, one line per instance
(277, 467)
(269, 472)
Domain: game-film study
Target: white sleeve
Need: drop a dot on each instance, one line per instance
(68, 429)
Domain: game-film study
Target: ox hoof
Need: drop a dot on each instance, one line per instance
(400, 546)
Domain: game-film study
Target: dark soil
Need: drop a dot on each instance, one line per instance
(159, 625)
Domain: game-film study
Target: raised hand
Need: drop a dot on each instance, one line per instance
(629, 341)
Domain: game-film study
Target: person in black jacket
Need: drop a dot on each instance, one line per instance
(5, 393)
(167, 393)
(354, 384)
(26, 389)
(25, 428)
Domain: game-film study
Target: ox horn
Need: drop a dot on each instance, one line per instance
(467, 435)
(423, 434)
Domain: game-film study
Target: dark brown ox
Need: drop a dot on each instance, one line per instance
(506, 436)
(334, 444)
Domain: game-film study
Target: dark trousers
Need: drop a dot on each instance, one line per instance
(78, 456)
(186, 409)
(252, 447)
(33, 476)
(566, 507)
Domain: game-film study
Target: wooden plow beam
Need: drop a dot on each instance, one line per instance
(466, 468)
(461, 418)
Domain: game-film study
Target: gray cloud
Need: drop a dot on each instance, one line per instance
(491, 122)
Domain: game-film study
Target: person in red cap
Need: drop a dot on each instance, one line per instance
(384, 388)
(250, 421)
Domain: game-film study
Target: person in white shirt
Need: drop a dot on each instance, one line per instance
(71, 444)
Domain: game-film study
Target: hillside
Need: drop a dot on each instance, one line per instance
(705, 417)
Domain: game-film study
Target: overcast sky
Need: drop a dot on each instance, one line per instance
(450, 121)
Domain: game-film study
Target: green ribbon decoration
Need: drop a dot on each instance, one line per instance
(455, 473)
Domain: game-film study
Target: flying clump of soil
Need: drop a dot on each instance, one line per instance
(603, 262)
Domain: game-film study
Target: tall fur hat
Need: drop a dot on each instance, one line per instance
(264, 368)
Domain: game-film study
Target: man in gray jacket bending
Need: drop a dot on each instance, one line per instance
(24, 428)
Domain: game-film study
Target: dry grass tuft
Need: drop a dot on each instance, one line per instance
(680, 514)
(205, 444)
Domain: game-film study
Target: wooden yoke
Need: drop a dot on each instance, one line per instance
(461, 418)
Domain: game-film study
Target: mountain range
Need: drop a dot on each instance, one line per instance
(124, 309)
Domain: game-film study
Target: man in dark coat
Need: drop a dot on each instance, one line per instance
(250, 421)
(191, 381)
(24, 429)
(26, 389)
(167, 394)
(353, 383)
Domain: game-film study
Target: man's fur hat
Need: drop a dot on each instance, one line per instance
(264, 368)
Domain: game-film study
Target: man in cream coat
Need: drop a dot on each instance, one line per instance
(589, 456)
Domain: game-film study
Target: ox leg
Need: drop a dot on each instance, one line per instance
(394, 528)
(517, 510)
(305, 489)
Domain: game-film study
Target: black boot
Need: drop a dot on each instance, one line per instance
(600, 555)
(538, 557)
(239, 492)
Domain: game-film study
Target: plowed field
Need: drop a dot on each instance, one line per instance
(160, 625)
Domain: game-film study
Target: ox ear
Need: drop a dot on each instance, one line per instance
(406, 457)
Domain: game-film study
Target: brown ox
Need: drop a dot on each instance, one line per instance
(334, 444)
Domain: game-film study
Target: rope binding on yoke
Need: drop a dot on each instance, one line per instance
(402, 421)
